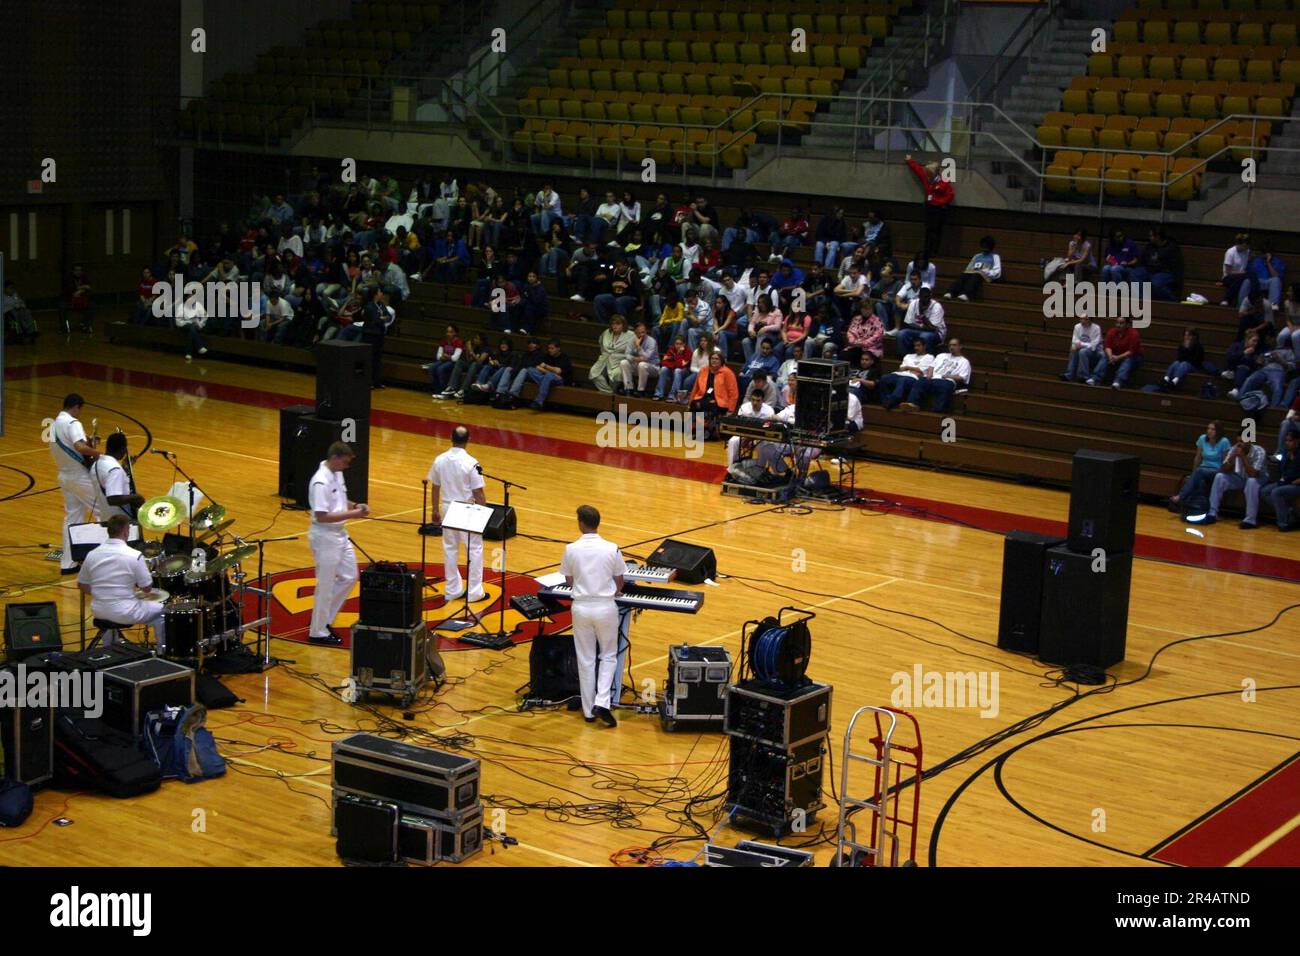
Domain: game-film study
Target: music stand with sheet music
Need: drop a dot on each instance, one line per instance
(472, 519)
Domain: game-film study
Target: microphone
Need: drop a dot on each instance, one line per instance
(159, 451)
(479, 469)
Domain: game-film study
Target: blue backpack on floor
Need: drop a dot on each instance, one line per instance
(15, 803)
(181, 745)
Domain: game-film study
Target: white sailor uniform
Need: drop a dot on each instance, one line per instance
(336, 561)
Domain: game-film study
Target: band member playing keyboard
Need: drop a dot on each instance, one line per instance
(593, 568)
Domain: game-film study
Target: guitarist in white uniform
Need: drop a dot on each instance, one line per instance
(73, 455)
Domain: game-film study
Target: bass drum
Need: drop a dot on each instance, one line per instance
(222, 617)
(186, 624)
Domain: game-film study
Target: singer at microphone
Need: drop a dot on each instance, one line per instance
(456, 476)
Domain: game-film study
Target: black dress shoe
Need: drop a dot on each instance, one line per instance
(590, 720)
(606, 717)
(329, 640)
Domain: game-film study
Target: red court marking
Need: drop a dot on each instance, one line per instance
(1229, 831)
(1191, 553)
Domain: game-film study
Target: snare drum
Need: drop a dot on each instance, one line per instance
(185, 625)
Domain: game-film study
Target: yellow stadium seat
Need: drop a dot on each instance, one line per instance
(1218, 32)
(1203, 106)
(1126, 31)
(1101, 64)
(1105, 102)
(1080, 137)
(1227, 70)
(1169, 104)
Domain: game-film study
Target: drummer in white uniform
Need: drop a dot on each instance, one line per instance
(336, 560)
(110, 576)
(593, 568)
(112, 484)
(68, 445)
(455, 476)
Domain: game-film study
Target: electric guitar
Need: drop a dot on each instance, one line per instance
(92, 441)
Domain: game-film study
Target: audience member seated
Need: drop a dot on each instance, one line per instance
(753, 407)
(190, 319)
(554, 368)
(1283, 493)
(951, 371)
(616, 344)
(642, 364)
(891, 309)
(674, 365)
(501, 367)
(831, 236)
(473, 357)
(1254, 315)
(1236, 260)
(1121, 355)
(926, 269)
(449, 351)
(1161, 265)
(1121, 258)
(715, 394)
(1191, 358)
(764, 360)
(896, 386)
(504, 394)
(1271, 377)
(1265, 274)
(1078, 259)
(764, 324)
(1244, 469)
(1243, 358)
(730, 313)
(794, 329)
(826, 335)
(699, 362)
(984, 266)
(1211, 448)
(791, 234)
(924, 320)
(1085, 351)
(848, 294)
(18, 322)
(865, 380)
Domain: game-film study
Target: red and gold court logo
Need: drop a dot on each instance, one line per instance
(294, 592)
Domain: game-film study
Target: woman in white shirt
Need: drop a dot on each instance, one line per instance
(699, 362)
(629, 211)
(1085, 351)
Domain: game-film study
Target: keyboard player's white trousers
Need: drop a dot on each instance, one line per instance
(595, 642)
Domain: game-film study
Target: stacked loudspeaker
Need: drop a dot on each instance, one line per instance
(393, 652)
(341, 413)
(1067, 600)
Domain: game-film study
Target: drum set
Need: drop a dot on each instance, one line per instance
(200, 590)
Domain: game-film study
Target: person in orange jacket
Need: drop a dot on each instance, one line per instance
(716, 393)
(939, 195)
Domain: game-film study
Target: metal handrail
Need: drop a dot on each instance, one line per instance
(1052, 8)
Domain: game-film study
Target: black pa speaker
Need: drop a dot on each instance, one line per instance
(27, 735)
(503, 524)
(1085, 611)
(31, 629)
(694, 564)
(343, 380)
(552, 668)
(289, 417)
(312, 440)
(1103, 501)
(1023, 560)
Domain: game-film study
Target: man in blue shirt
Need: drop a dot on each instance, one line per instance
(766, 359)
(1267, 273)
(1283, 493)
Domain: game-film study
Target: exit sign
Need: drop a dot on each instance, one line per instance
(35, 187)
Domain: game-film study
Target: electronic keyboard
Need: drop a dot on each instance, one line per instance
(637, 596)
(652, 573)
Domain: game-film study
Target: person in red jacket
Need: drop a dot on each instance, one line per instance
(938, 199)
(1123, 353)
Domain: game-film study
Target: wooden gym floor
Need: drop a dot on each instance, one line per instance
(1110, 779)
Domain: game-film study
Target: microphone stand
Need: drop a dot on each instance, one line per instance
(193, 486)
(501, 632)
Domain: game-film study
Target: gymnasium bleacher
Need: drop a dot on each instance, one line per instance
(694, 85)
(1184, 86)
(1018, 420)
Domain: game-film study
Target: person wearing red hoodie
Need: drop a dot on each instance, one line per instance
(673, 366)
(939, 195)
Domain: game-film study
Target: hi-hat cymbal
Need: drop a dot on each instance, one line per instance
(216, 530)
(208, 517)
(152, 549)
(230, 558)
(161, 514)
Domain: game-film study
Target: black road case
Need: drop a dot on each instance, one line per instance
(423, 781)
(782, 717)
(132, 690)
